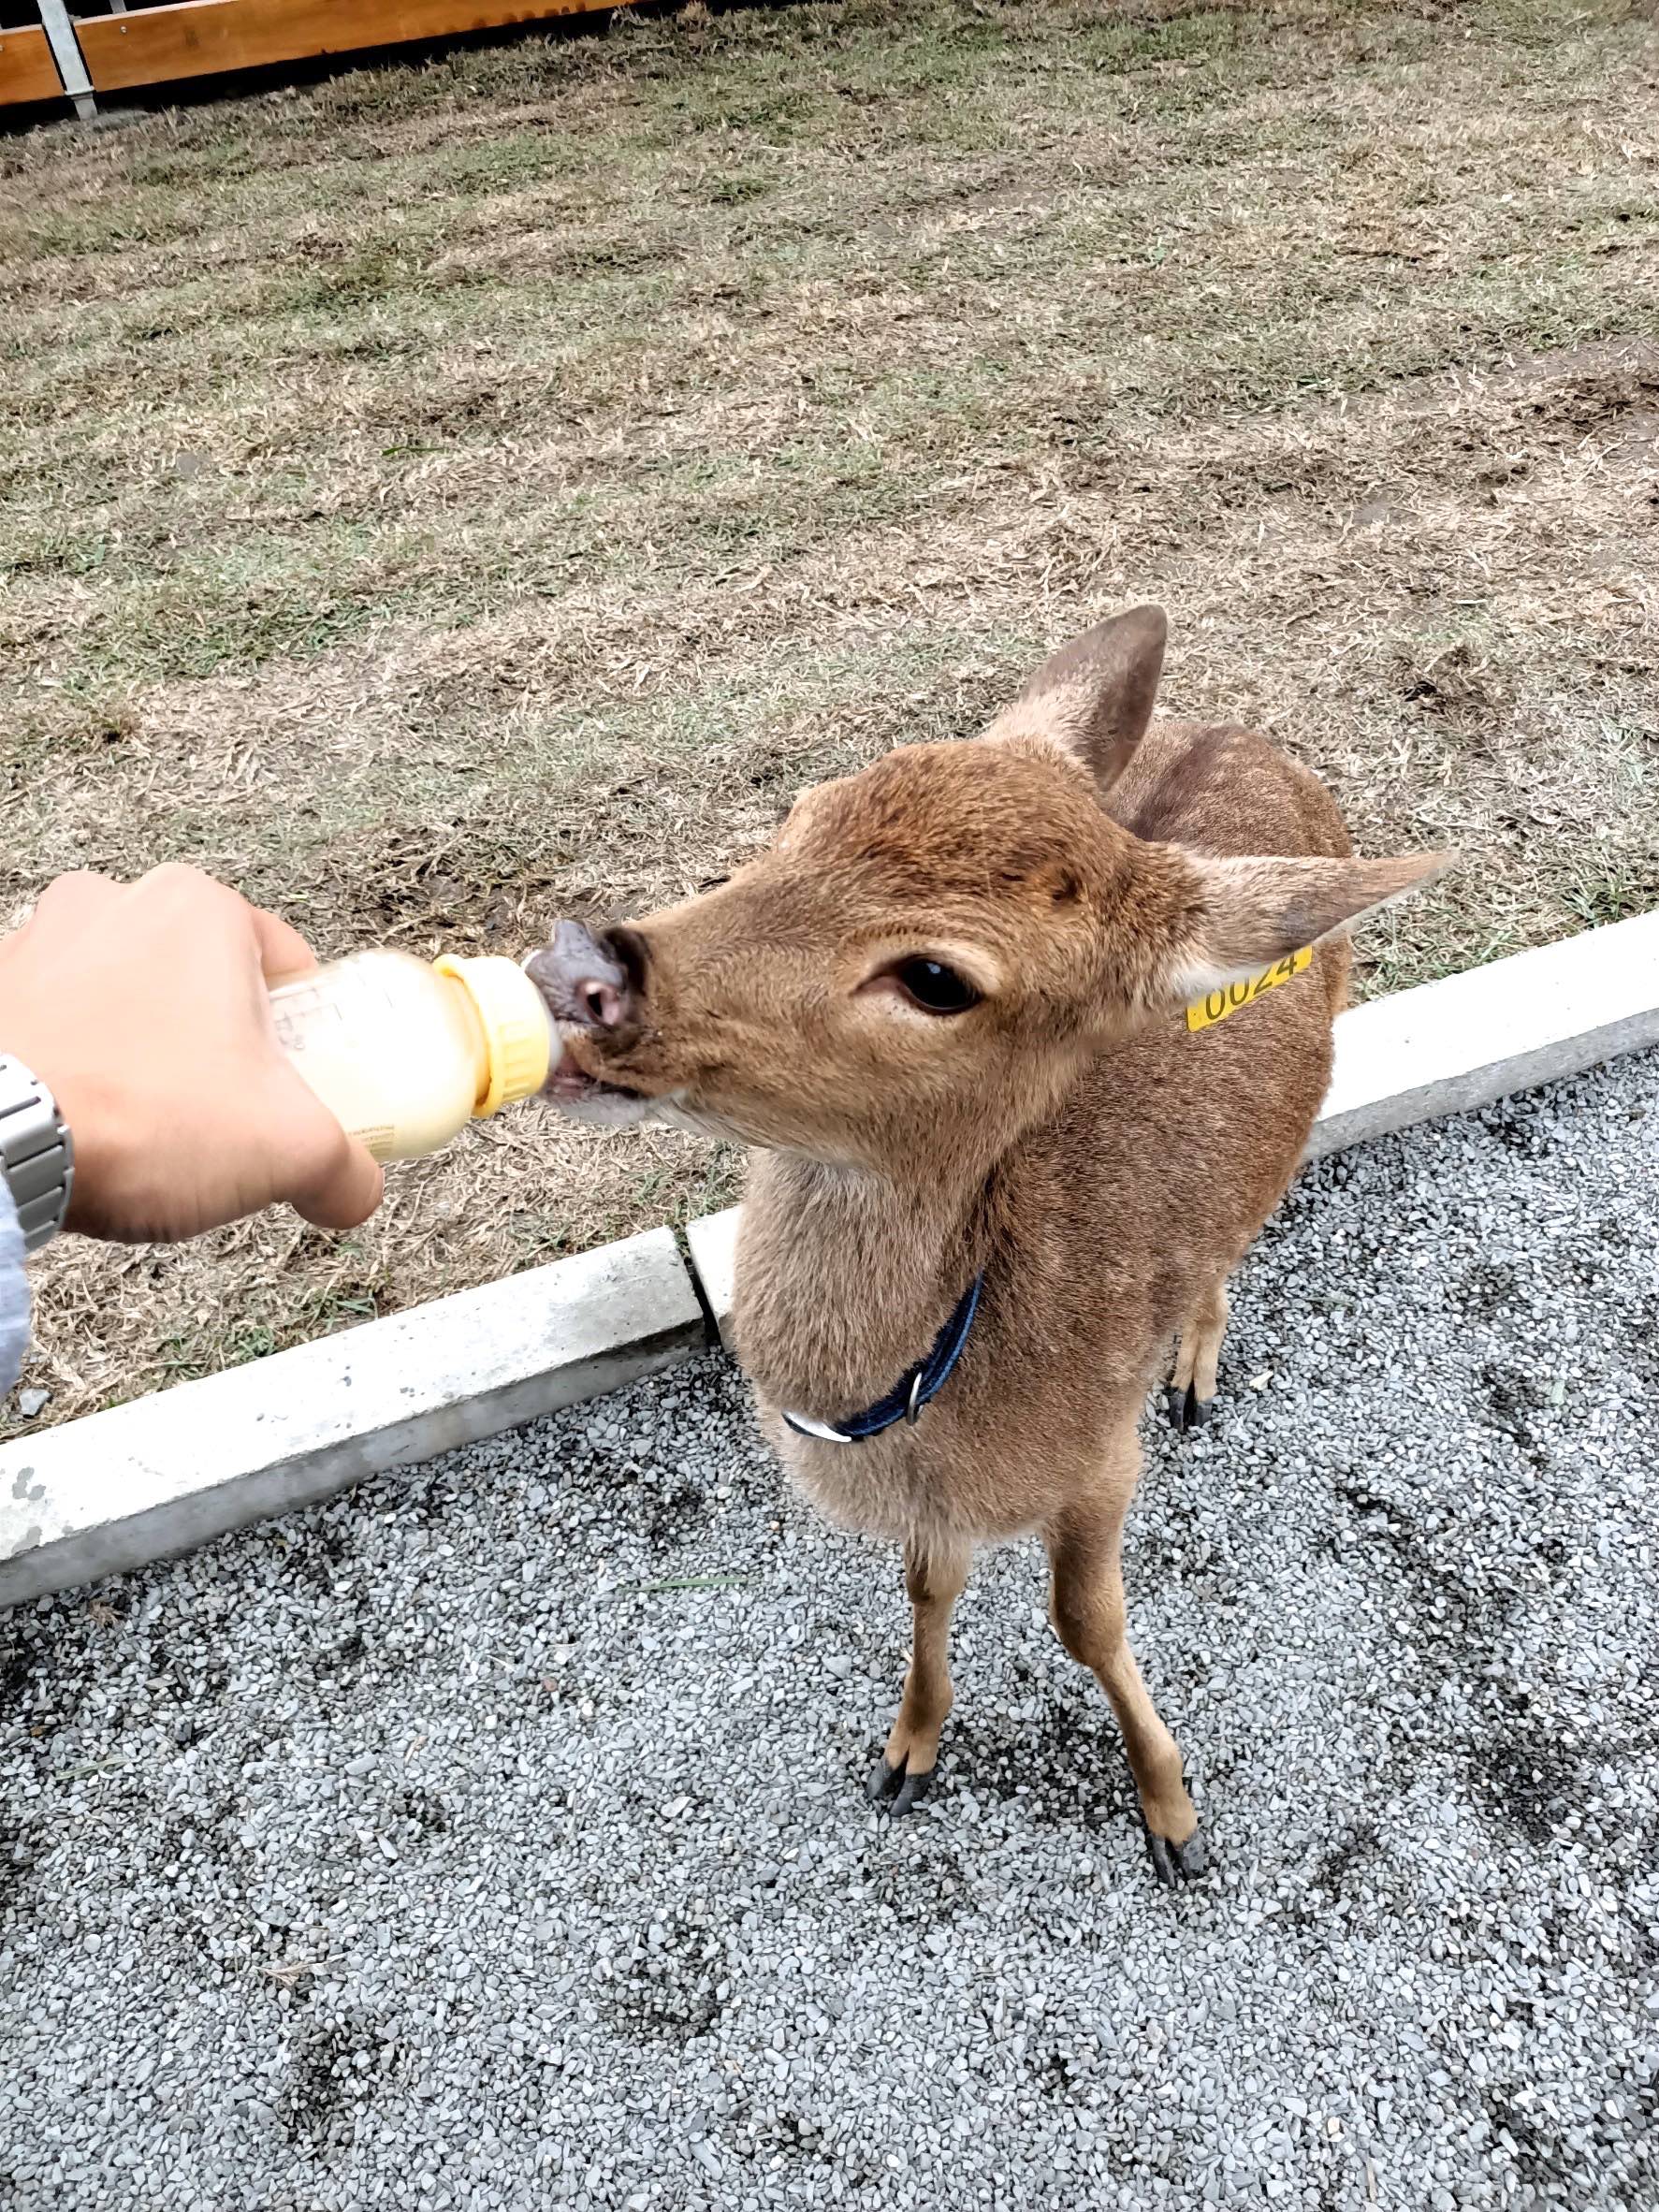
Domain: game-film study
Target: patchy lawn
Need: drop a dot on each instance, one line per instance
(462, 492)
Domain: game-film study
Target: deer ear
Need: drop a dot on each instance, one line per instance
(1250, 913)
(1094, 697)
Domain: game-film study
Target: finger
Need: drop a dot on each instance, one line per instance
(282, 952)
(82, 895)
(180, 875)
(344, 1189)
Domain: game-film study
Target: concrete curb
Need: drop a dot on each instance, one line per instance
(1491, 1031)
(713, 1246)
(171, 1471)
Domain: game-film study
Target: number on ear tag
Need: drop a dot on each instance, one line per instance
(1216, 1005)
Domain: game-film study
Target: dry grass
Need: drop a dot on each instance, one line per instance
(453, 494)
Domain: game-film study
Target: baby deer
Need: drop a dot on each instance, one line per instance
(997, 1170)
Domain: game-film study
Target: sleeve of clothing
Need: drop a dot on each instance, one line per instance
(14, 1293)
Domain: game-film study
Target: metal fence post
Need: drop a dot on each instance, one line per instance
(65, 51)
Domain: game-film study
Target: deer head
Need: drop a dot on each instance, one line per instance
(916, 967)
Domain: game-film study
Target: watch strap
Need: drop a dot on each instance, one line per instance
(36, 1152)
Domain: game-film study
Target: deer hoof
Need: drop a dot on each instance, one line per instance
(1176, 1863)
(1186, 1410)
(893, 1791)
(885, 1781)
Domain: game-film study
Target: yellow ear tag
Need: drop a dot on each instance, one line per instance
(1216, 1005)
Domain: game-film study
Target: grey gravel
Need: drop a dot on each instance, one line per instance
(494, 1836)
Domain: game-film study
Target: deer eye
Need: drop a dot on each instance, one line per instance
(934, 987)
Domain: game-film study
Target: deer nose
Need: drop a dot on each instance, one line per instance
(581, 980)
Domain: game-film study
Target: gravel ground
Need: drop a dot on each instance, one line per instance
(494, 1838)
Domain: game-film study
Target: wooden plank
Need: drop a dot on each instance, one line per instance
(202, 38)
(27, 70)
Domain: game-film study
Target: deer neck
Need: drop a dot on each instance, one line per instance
(846, 1276)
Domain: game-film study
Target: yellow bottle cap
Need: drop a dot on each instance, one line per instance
(518, 1035)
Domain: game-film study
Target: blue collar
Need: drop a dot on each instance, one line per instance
(913, 1390)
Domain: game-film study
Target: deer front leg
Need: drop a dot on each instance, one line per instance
(934, 1578)
(1084, 1551)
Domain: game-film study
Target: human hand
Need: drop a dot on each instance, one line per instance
(144, 1007)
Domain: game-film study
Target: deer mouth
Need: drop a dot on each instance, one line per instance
(583, 1096)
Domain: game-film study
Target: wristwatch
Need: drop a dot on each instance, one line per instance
(36, 1152)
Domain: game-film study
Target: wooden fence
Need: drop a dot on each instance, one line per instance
(117, 49)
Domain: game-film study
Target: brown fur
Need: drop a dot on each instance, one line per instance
(1104, 1165)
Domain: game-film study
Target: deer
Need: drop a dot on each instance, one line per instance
(1026, 1033)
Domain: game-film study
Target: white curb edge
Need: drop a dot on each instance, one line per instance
(1491, 1031)
(172, 1470)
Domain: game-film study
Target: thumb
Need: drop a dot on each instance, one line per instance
(345, 1186)
(334, 1182)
